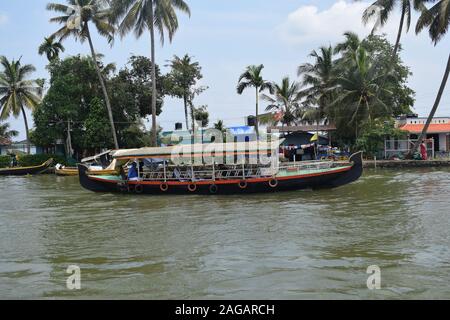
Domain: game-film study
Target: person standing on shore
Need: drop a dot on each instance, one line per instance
(423, 150)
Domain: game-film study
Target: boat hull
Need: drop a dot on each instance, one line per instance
(331, 179)
(26, 170)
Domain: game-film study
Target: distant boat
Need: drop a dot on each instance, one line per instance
(65, 171)
(158, 174)
(23, 171)
(98, 165)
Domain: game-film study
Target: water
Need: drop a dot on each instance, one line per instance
(295, 245)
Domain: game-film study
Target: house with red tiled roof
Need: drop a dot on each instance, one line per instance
(439, 131)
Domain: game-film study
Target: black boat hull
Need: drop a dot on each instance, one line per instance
(333, 179)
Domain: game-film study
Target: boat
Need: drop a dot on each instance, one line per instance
(23, 171)
(73, 171)
(178, 170)
(61, 170)
(99, 165)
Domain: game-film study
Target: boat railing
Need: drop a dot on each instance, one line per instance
(311, 165)
(192, 174)
(236, 172)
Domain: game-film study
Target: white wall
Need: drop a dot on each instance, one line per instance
(443, 142)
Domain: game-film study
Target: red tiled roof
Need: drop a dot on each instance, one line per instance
(434, 128)
(5, 142)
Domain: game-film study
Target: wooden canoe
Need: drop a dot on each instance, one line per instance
(66, 171)
(23, 171)
(71, 171)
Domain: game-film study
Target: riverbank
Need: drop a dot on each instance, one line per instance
(406, 163)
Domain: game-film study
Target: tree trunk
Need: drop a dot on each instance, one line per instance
(154, 92)
(399, 35)
(105, 92)
(26, 130)
(433, 110)
(193, 120)
(186, 112)
(257, 114)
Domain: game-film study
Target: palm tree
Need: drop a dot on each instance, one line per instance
(437, 20)
(76, 18)
(386, 7)
(141, 15)
(286, 100)
(6, 133)
(252, 78)
(318, 79)
(184, 75)
(17, 92)
(358, 91)
(51, 48)
(219, 125)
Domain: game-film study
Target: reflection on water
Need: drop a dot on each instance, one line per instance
(290, 245)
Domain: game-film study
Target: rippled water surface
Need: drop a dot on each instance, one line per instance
(294, 245)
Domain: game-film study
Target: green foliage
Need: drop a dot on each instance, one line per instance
(5, 161)
(371, 139)
(361, 84)
(132, 88)
(202, 116)
(30, 160)
(96, 126)
(75, 95)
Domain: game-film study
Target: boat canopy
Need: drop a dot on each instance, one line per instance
(217, 149)
(96, 157)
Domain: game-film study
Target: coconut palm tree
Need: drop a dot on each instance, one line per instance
(437, 20)
(75, 20)
(17, 92)
(286, 100)
(151, 15)
(358, 91)
(51, 48)
(317, 78)
(386, 8)
(6, 133)
(252, 78)
(183, 77)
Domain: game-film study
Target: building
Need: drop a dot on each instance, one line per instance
(7, 147)
(439, 131)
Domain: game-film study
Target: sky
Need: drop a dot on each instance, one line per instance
(225, 36)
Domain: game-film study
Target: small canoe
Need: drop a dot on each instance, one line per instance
(71, 171)
(23, 171)
(66, 171)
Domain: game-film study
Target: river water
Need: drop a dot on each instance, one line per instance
(294, 245)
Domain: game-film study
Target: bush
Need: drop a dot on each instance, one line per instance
(371, 139)
(38, 159)
(5, 161)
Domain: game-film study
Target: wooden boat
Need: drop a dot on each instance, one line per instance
(210, 179)
(73, 171)
(22, 171)
(66, 171)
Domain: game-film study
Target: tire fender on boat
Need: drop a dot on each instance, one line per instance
(243, 184)
(139, 188)
(164, 187)
(273, 183)
(122, 187)
(192, 187)
(213, 188)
